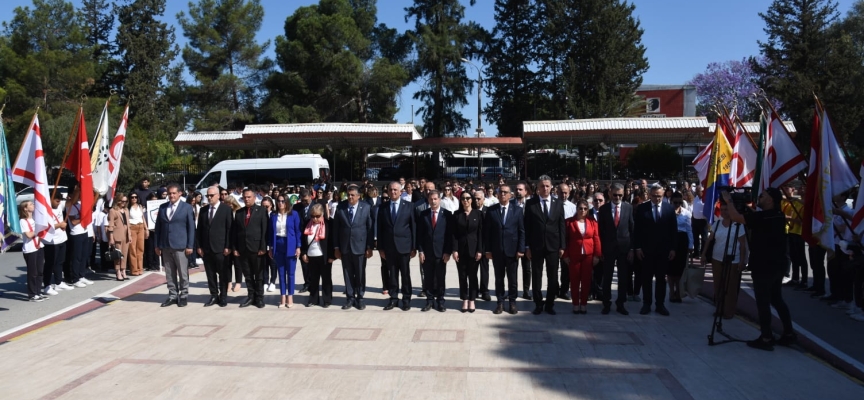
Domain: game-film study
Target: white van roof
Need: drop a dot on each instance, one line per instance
(303, 159)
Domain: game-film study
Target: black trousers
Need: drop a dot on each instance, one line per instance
(268, 268)
(616, 260)
(55, 255)
(468, 285)
(565, 278)
(767, 288)
(505, 266)
(636, 277)
(151, 261)
(484, 275)
(834, 273)
(700, 234)
(539, 258)
(385, 275)
(597, 281)
(654, 266)
(250, 264)
(354, 269)
(526, 275)
(436, 272)
(218, 272)
(797, 257)
(35, 264)
(104, 264)
(76, 252)
(320, 280)
(817, 264)
(397, 265)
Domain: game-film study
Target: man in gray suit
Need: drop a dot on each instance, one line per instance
(175, 239)
(352, 242)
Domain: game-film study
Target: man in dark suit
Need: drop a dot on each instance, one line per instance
(249, 241)
(352, 242)
(504, 241)
(521, 195)
(654, 232)
(175, 239)
(435, 244)
(214, 245)
(377, 202)
(302, 208)
(479, 197)
(546, 241)
(396, 235)
(419, 206)
(615, 222)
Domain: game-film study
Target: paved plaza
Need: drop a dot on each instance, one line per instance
(131, 348)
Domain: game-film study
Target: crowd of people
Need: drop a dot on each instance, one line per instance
(577, 234)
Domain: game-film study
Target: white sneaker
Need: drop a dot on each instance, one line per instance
(270, 287)
(50, 291)
(87, 281)
(843, 305)
(80, 283)
(786, 279)
(64, 286)
(37, 299)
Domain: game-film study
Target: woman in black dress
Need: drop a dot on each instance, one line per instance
(467, 249)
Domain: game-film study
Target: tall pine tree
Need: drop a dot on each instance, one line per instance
(99, 22)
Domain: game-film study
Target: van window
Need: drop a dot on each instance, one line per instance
(277, 176)
(213, 178)
(324, 173)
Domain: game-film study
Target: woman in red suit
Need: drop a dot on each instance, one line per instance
(583, 253)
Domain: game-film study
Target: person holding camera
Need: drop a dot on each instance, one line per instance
(768, 228)
(727, 242)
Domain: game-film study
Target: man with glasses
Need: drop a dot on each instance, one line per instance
(654, 228)
(479, 197)
(352, 243)
(214, 246)
(520, 196)
(175, 239)
(598, 201)
(396, 235)
(249, 241)
(615, 224)
(546, 242)
(504, 241)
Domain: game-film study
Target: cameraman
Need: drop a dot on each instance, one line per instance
(768, 228)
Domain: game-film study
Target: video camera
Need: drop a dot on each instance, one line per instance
(740, 198)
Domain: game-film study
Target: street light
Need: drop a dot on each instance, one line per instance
(479, 90)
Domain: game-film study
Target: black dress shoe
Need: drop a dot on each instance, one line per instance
(513, 310)
(326, 305)
(303, 288)
(759, 343)
(361, 305)
(499, 309)
(527, 296)
(259, 304)
(422, 293)
(427, 307)
(223, 303)
(441, 308)
(211, 302)
(606, 309)
(181, 302)
(662, 310)
(646, 309)
(537, 310)
(169, 302)
(487, 297)
(390, 305)
(348, 305)
(550, 311)
(565, 296)
(621, 310)
(248, 302)
(406, 305)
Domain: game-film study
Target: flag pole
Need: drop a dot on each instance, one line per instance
(75, 127)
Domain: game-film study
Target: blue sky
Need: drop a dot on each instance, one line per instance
(681, 36)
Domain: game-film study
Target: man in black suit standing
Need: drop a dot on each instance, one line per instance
(302, 208)
(615, 222)
(214, 245)
(249, 242)
(654, 232)
(504, 241)
(435, 244)
(547, 240)
(396, 235)
(419, 206)
(521, 196)
(377, 202)
(352, 242)
(479, 197)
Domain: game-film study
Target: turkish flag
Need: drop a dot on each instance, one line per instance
(79, 163)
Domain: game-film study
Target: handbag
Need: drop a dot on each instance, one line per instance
(692, 280)
(113, 254)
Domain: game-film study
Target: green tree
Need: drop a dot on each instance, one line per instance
(226, 61)
(656, 160)
(99, 24)
(807, 52)
(441, 41)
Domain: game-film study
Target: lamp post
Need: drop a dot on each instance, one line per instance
(479, 90)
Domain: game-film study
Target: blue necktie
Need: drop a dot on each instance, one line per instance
(351, 214)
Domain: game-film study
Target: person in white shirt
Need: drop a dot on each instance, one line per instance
(34, 256)
(139, 232)
(55, 250)
(449, 202)
(699, 222)
(78, 243)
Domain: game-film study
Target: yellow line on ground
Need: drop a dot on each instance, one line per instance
(35, 330)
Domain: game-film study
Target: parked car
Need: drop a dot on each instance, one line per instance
(27, 193)
(372, 173)
(465, 173)
(492, 173)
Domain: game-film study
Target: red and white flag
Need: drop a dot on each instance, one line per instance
(79, 163)
(702, 163)
(744, 157)
(29, 169)
(783, 161)
(829, 175)
(116, 153)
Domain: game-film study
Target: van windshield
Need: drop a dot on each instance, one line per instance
(213, 178)
(277, 176)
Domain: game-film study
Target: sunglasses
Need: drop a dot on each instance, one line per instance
(134, 197)
(583, 208)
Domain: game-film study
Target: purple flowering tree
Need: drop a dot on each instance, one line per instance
(730, 84)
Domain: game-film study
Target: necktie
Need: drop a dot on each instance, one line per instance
(351, 214)
(503, 214)
(434, 219)
(392, 211)
(248, 214)
(545, 209)
(171, 211)
(657, 213)
(212, 210)
(617, 214)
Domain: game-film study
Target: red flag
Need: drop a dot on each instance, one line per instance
(79, 163)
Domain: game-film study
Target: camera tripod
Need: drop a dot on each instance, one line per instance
(720, 296)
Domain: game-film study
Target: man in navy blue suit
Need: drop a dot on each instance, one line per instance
(435, 242)
(655, 226)
(175, 239)
(396, 234)
(352, 242)
(504, 241)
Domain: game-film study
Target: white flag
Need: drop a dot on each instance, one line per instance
(99, 158)
(29, 169)
(116, 153)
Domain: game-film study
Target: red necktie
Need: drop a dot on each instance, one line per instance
(617, 214)
(248, 214)
(434, 219)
